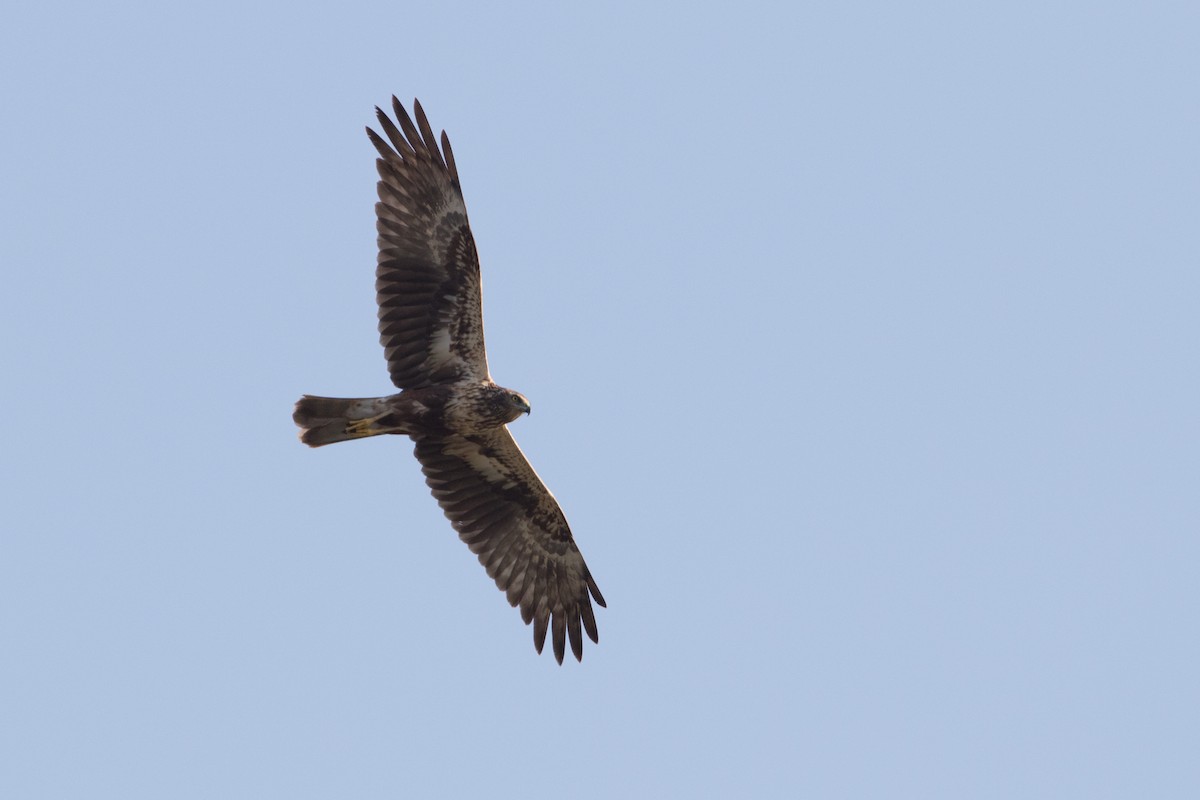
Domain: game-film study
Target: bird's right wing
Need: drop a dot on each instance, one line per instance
(427, 279)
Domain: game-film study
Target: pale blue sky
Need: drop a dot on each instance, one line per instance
(862, 340)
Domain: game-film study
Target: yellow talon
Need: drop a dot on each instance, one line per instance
(362, 427)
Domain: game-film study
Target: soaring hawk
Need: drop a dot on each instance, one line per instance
(431, 328)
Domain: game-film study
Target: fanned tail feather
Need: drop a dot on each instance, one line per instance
(325, 420)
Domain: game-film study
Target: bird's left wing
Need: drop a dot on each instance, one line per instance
(508, 518)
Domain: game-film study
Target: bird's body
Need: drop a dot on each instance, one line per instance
(438, 410)
(431, 327)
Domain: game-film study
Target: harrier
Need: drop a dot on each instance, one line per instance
(431, 327)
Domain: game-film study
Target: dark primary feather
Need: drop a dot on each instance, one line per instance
(508, 518)
(427, 278)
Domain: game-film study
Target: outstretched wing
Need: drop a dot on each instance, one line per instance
(427, 279)
(508, 517)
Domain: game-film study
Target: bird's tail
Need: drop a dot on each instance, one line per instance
(325, 420)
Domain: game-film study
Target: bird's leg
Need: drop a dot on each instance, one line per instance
(364, 427)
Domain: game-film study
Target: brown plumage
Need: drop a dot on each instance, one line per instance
(431, 327)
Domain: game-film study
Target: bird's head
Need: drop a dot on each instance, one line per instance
(501, 405)
(519, 403)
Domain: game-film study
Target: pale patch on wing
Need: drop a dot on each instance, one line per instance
(492, 470)
(439, 346)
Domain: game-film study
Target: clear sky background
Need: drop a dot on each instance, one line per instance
(863, 344)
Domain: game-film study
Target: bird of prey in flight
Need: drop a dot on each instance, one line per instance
(431, 327)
